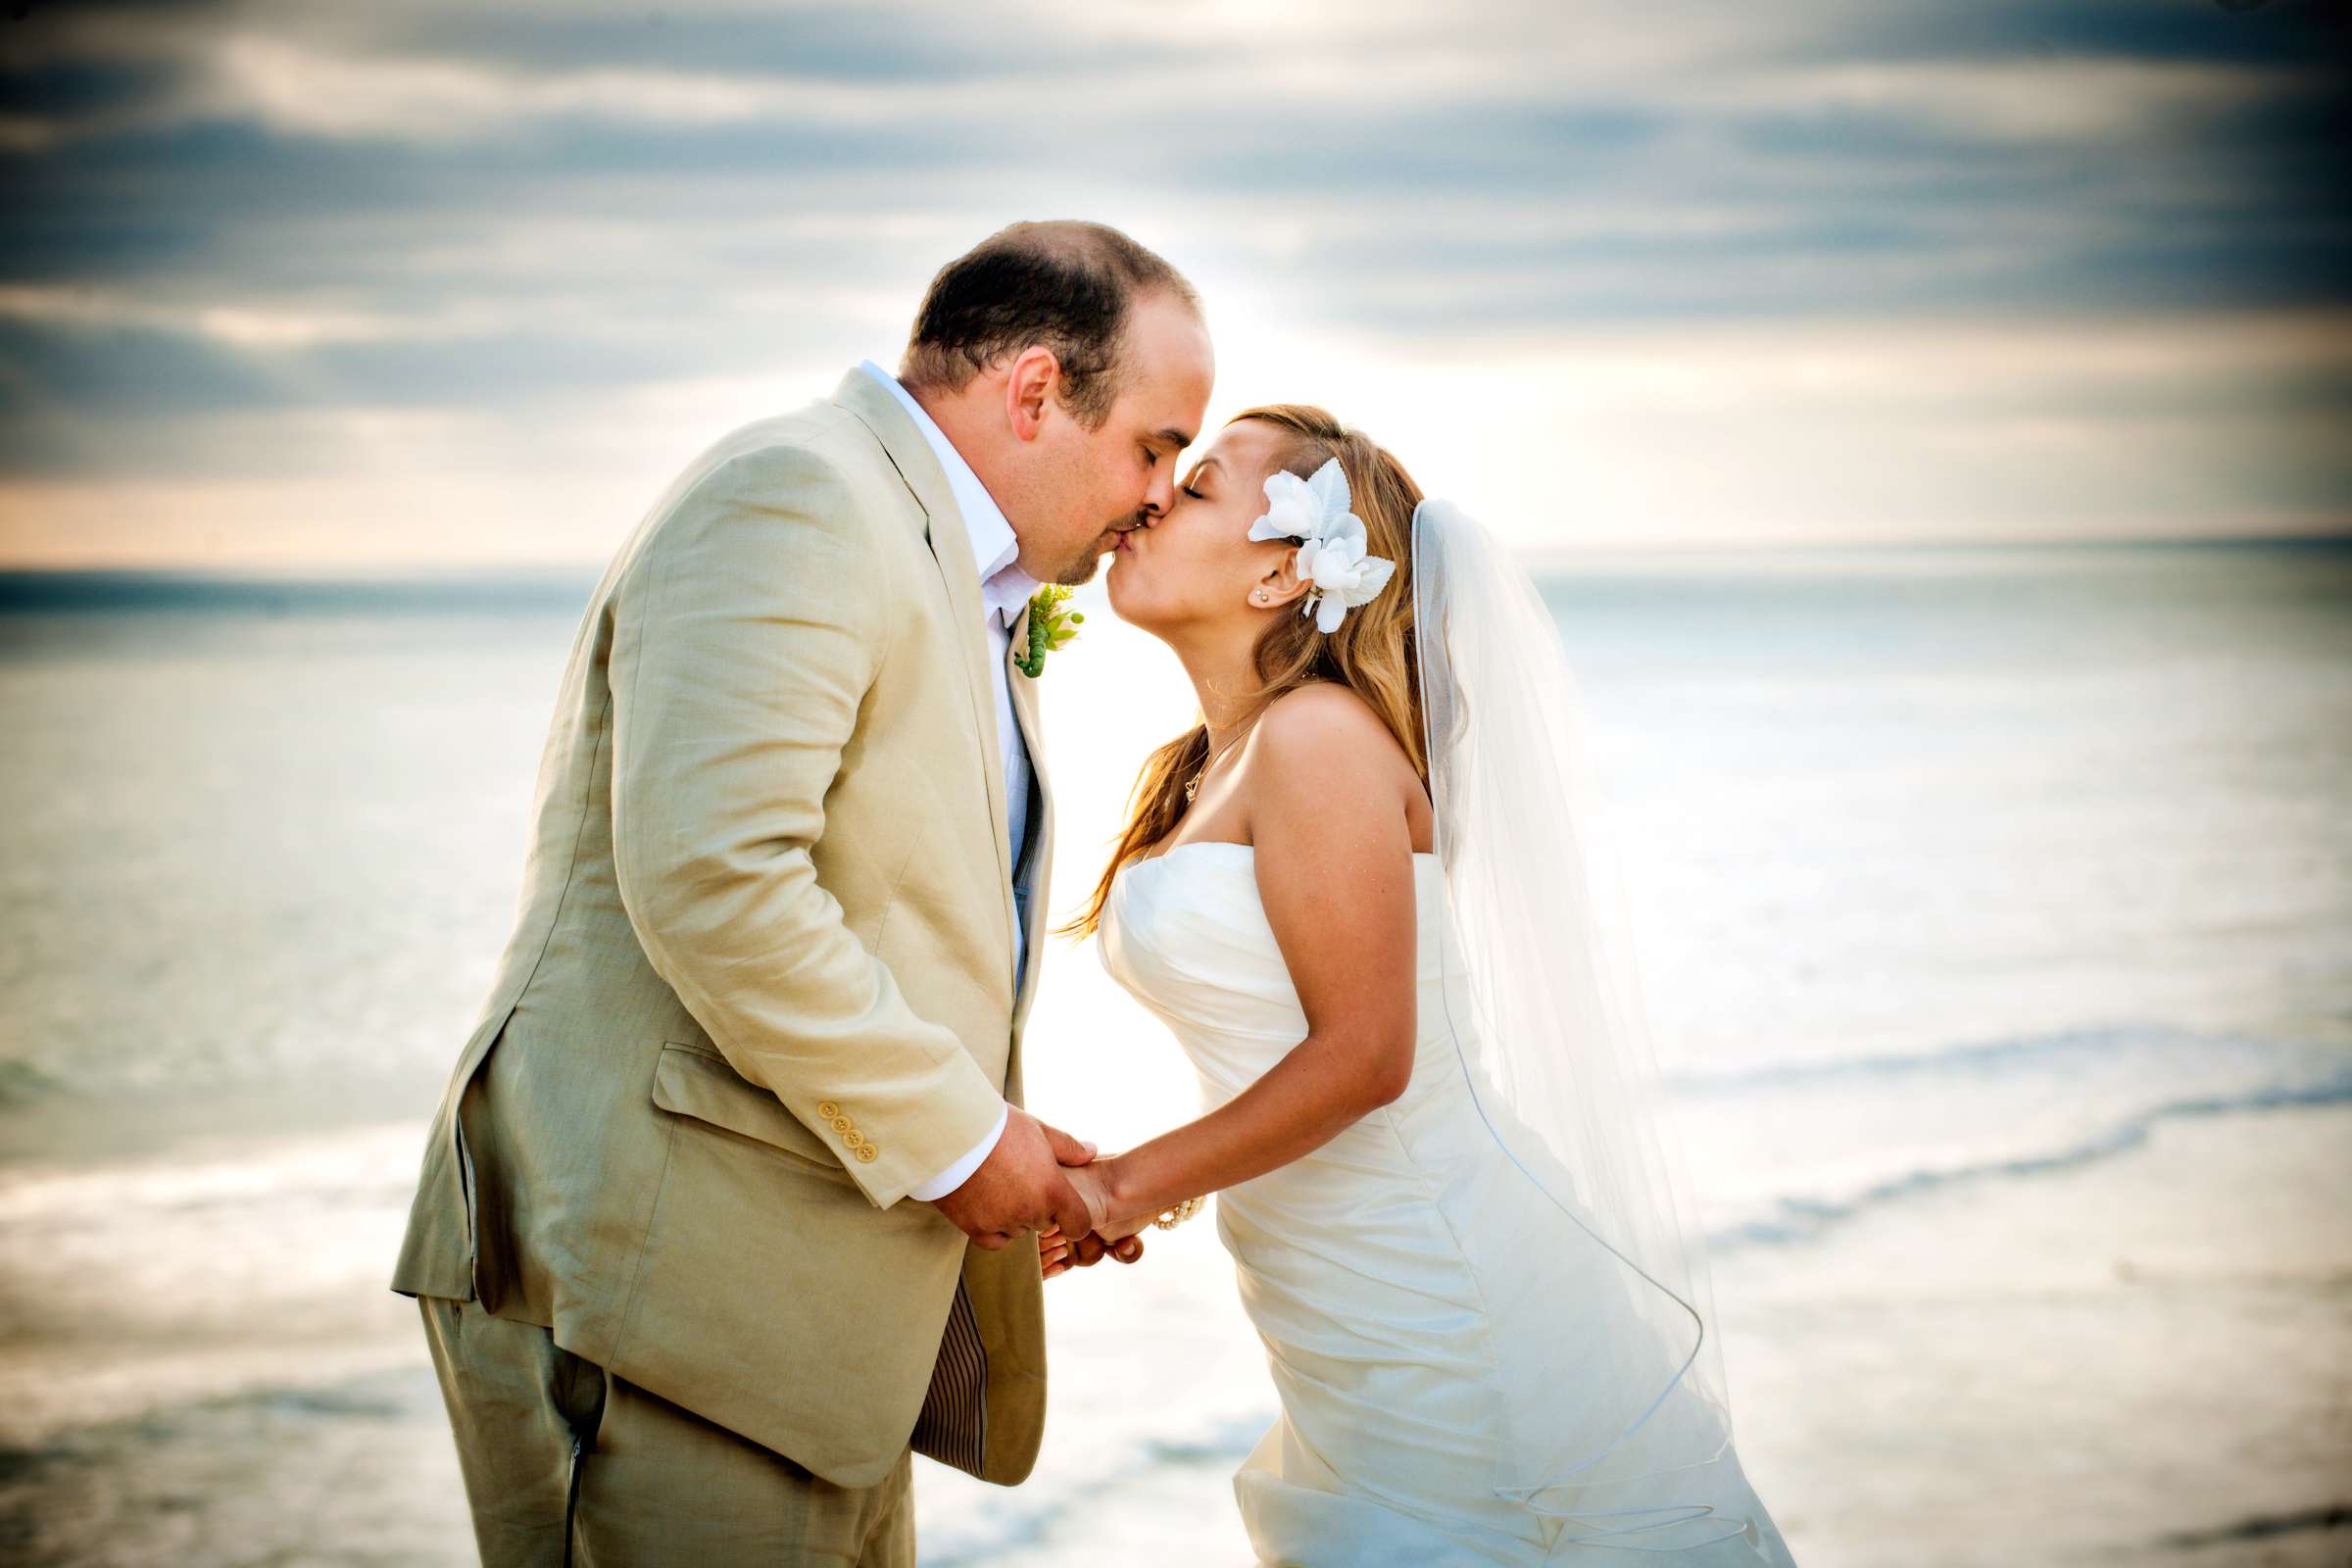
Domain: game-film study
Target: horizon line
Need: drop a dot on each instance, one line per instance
(37, 588)
(460, 573)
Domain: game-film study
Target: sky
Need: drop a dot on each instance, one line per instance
(449, 285)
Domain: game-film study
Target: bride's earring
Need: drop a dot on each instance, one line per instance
(1258, 595)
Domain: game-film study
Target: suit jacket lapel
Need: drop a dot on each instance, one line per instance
(1038, 848)
(951, 553)
(1025, 708)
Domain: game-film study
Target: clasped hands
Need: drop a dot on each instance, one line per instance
(1040, 1180)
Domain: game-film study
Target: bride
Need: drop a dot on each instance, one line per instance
(1367, 900)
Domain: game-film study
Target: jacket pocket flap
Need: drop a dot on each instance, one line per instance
(694, 1083)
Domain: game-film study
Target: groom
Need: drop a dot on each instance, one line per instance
(712, 1228)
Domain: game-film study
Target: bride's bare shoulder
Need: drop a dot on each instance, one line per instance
(1326, 723)
(1328, 764)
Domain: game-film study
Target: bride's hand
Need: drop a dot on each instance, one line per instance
(1058, 1252)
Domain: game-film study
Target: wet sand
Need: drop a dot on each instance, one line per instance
(2108, 1366)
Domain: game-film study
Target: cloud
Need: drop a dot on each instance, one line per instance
(259, 327)
(2032, 100)
(233, 216)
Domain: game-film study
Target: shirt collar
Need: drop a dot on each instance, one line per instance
(1004, 586)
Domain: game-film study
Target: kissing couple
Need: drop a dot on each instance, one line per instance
(732, 1206)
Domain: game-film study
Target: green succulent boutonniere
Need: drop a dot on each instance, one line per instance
(1050, 626)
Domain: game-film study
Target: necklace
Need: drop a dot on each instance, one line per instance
(1192, 785)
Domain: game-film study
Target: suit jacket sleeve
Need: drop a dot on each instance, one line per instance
(738, 669)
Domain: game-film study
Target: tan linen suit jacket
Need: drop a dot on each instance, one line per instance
(761, 982)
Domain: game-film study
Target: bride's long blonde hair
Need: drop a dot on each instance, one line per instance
(1372, 652)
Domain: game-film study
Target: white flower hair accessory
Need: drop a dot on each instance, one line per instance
(1333, 542)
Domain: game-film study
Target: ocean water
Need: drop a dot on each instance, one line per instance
(1996, 928)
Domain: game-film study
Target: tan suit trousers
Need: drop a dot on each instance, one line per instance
(566, 1464)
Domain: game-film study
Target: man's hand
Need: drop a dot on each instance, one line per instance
(1021, 1185)
(1056, 1253)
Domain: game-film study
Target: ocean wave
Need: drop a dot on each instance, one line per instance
(1798, 1219)
(2261, 1527)
(21, 1082)
(1116, 1474)
(2064, 1050)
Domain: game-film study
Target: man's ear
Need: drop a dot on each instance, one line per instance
(1281, 586)
(1028, 388)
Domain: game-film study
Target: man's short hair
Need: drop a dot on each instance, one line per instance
(1068, 286)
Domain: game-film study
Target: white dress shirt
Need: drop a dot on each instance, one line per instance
(1004, 589)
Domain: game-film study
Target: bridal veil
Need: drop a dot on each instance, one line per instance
(1548, 1024)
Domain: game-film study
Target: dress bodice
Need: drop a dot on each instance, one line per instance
(1186, 934)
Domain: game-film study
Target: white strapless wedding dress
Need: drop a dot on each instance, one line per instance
(1419, 1315)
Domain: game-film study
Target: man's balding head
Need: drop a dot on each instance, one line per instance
(1069, 287)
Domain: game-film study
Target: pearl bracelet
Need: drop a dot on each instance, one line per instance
(1167, 1219)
